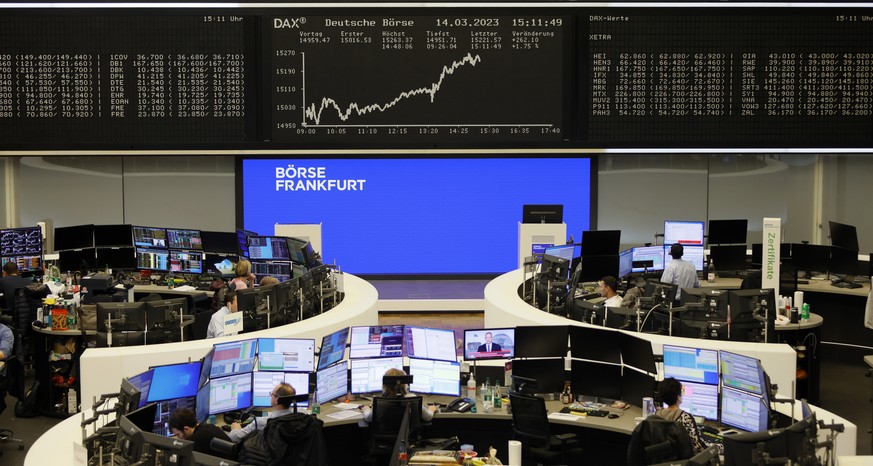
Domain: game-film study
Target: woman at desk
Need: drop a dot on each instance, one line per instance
(244, 276)
(671, 392)
(399, 391)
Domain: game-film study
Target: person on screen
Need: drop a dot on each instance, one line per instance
(268, 280)
(183, 424)
(399, 391)
(671, 391)
(238, 432)
(244, 276)
(607, 286)
(488, 346)
(216, 323)
(680, 272)
(10, 282)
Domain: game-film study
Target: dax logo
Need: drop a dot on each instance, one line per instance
(288, 23)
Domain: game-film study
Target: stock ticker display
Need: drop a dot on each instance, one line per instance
(405, 77)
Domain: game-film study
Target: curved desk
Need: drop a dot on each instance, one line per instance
(102, 369)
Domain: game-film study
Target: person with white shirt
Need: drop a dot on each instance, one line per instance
(216, 323)
(238, 432)
(607, 286)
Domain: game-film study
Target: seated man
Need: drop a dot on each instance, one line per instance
(607, 286)
(184, 425)
(216, 323)
(238, 432)
(400, 391)
(7, 340)
(10, 282)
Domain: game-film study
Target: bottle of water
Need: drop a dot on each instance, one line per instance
(402, 456)
(471, 392)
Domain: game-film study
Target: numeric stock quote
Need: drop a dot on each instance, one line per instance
(406, 77)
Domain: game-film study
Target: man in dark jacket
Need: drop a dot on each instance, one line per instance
(9, 283)
(183, 424)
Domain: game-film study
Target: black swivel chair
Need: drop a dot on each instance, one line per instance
(657, 440)
(530, 425)
(12, 381)
(386, 424)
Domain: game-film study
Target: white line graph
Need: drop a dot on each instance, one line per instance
(313, 112)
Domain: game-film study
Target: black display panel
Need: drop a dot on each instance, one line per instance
(135, 77)
(484, 77)
(727, 77)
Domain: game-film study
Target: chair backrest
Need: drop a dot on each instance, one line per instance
(530, 421)
(388, 416)
(656, 440)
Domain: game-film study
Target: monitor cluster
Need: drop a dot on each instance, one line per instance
(22, 246)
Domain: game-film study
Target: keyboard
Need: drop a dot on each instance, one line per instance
(711, 438)
(585, 411)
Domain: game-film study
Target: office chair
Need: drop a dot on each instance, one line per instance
(657, 440)
(386, 424)
(530, 425)
(12, 381)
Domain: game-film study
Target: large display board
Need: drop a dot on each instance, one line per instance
(322, 76)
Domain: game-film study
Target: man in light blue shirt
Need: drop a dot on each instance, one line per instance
(680, 272)
(216, 323)
(7, 340)
(238, 432)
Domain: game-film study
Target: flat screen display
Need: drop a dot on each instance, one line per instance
(476, 201)
(107, 236)
(75, 237)
(150, 237)
(700, 400)
(152, 259)
(693, 254)
(741, 373)
(21, 241)
(430, 343)
(683, 232)
(143, 383)
(174, 381)
(542, 341)
(333, 348)
(221, 242)
(367, 373)
(649, 253)
(691, 364)
(186, 262)
(230, 393)
(494, 343)
(286, 354)
(742, 410)
(268, 248)
(265, 382)
(378, 341)
(234, 357)
(332, 382)
(184, 239)
(435, 377)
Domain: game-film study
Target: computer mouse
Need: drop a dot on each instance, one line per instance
(613, 416)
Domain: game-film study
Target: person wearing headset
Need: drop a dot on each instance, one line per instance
(680, 272)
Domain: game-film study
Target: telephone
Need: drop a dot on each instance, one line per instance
(460, 405)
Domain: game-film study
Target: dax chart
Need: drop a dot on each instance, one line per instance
(413, 79)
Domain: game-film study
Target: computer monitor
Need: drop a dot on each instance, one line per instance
(234, 357)
(596, 267)
(687, 233)
(108, 236)
(625, 263)
(581, 310)
(296, 247)
(541, 341)
(750, 311)
(367, 373)
(377, 341)
(758, 252)
(728, 231)
(242, 237)
(637, 353)
(75, 237)
(693, 254)
(309, 255)
(125, 317)
(333, 348)
(231, 393)
(844, 262)
(152, 259)
(286, 354)
(741, 372)
(258, 300)
(129, 397)
(202, 459)
(662, 292)
(636, 385)
(600, 243)
(184, 239)
(279, 270)
(431, 343)
(728, 258)
(801, 437)
(811, 257)
(595, 344)
(564, 251)
(691, 364)
(116, 258)
(80, 259)
(265, 382)
(201, 403)
(20, 241)
(649, 253)
(268, 248)
(120, 339)
(549, 373)
(170, 450)
(554, 268)
(174, 381)
(742, 410)
(149, 237)
(331, 382)
(206, 366)
(700, 399)
(143, 383)
(220, 242)
(25, 263)
(596, 379)
(129, 441)
(844, 236)
(502, 344)
(186, 261)
(435, 377)
(220, 264)
(165, 313)
(542, 213)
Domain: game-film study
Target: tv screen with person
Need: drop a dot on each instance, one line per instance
(498, 343)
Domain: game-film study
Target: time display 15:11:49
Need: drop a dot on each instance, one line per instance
(537, 22)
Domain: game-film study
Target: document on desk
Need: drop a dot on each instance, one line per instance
(564, 416)
(347, 406)
(342, 415)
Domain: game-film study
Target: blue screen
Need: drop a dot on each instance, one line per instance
(143, 383)
(409, 216)
(174, 381)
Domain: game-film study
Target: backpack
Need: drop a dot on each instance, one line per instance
(28, 405)
(253, 450)
(295, 439)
